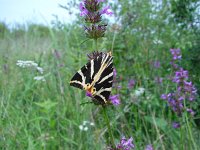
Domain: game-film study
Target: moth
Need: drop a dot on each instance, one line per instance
(96, 77)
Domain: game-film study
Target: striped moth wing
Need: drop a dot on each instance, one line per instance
(96, 77)
(79, 79)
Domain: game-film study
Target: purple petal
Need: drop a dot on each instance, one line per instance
(115, 99)
(88, 94)
(106, 11)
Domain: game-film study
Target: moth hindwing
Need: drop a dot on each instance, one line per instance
(96, 78)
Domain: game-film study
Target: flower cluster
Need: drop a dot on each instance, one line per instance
(185, 90)
(84, 126)
(156, 64)
(92, 13)
(131, 84)
(149, 147)
(33, 65)
(39, 78)
(176, 55)
(29, 64)
(115, 99)
(139, 91)
(125, 144)
(176, 125)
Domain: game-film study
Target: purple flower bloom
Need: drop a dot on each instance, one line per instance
(175, 66)
(131, 83)
(125, 144)
(84, 11)
(106, 11)
(100, 1)
(176, 53)
(164, 96)
(119, 87)
(180, 75)
(156, 64)
(190, 90)
(115, 99)
(92, 13)
(190, 111)
(176, 125)
(185, 90)
(88, 94)
(149, 147)
(158, 80)
(57, 54)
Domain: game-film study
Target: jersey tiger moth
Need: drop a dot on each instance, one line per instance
(96, 77)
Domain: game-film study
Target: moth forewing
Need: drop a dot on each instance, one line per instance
(79, 79)
(106, 61)
(96, 74)
(103, 79)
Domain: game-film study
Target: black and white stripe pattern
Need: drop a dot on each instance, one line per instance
(97, 74)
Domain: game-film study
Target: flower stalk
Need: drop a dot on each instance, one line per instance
(111, 139)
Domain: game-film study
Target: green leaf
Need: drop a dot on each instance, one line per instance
(47, 105)
(161, 123)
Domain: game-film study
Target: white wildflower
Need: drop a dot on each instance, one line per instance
(92, 123)
(39, 78)
(81, 127)
(85, 122)
(27, 63)
(40, 70)
(139, 91)
(85, 128)
(156, 41)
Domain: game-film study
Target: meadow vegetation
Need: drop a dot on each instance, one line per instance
(48, 114)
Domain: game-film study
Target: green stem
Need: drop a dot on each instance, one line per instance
(108, 126)
(96, 46)
(189, 128)
(113, 41)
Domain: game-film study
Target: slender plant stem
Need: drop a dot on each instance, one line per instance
(108, 126)
(113, 41)
(158, 132)
(96, 44)
(189, 128)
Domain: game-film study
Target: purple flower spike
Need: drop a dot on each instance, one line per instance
(156, 64)
(190, 111)
(126, 144)
(131, 83)
(185, 91)
(92, 13)
(164, 96)
(176, 53)
(176, 125)
(149, 147)
(115, 99)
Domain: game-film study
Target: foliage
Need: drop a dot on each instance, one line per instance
(3, 29)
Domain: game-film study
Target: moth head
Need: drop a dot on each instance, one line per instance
(90, 90)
